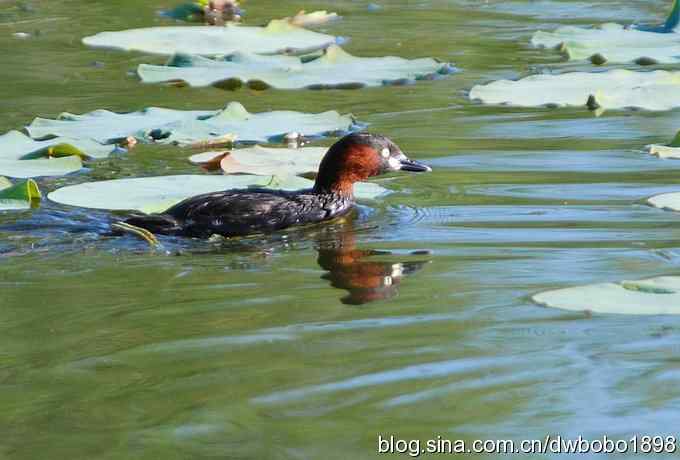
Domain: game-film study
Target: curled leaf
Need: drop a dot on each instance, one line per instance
(18, 196)
(57, 151)
(264, 161)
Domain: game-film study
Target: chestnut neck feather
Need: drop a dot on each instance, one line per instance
(343, 165)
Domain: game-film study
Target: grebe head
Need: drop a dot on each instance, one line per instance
(357, 157)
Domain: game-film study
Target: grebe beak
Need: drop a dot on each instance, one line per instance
(406, 164)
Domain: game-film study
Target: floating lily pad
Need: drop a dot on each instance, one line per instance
(156, 194)
(38, 168)
(278, 37)
(671, 150)
(18, 196)
(334, 69)
(265, 161)
(191, 126)
(615, 43)
(670, 201)
(654, 296)
(616, 89)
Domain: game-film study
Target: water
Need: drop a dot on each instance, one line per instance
(310, 343)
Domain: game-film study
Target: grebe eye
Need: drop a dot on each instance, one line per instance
(385, 152)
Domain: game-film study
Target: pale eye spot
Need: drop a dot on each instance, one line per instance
(385, 152)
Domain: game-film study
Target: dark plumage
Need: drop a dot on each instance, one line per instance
(241, 212)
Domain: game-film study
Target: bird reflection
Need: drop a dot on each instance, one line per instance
(367, 275)
(358, 271)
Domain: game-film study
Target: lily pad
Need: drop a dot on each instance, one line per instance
(189, 127)
(670, 201)
(671, 150)
(615, 43)
(654, 296)
(39, 168)
(334, 69)
(18, 196)
(615, 89)
(156, 194)
(265, 161)
(278, 37)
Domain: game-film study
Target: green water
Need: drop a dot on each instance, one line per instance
(295, 347)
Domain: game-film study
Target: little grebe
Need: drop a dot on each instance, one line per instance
(353, 158)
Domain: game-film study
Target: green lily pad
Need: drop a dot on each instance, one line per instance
(334, 69)
(18, 196)
(189, 127)
(618, 44)
(615, 89)
(278, 37)
(265, 161)
(654, 296)
(156, 194)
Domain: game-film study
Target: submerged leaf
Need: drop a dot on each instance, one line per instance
(198, 12)
(654, 296)
(265, 161)
(279, 36)
(156, 194)
(18, 196)
(187, 127)
(334, 69)
(192, 12)
(615, 89)
(314, 18)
